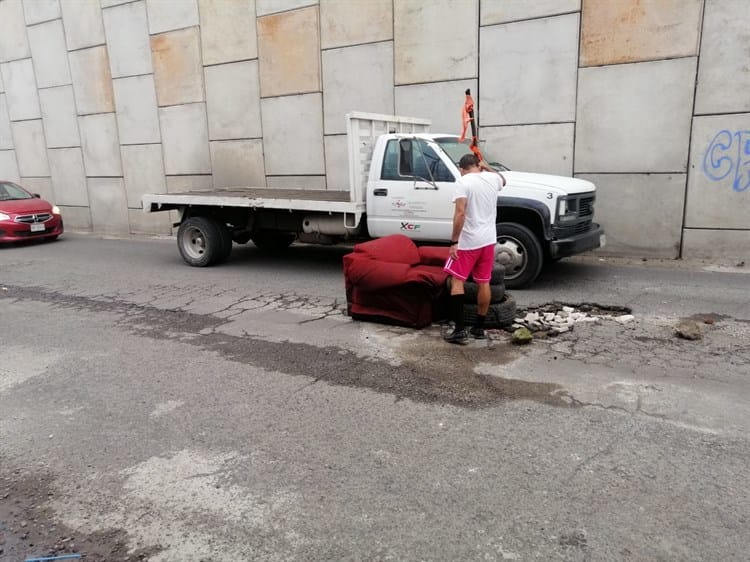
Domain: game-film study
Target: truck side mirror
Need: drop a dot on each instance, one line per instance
(405, 158)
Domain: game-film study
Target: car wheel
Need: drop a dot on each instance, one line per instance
(200, 241)
(499, 315)
(520, 252)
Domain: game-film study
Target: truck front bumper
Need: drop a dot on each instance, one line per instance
(589, 240)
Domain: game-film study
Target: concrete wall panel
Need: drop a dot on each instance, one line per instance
(110, 3)
(177, 184)
(6, 137)
(59, 117)
(635, 117)
(42, 186)
(49, 55)
(233, 100)
(167, 15)
(76, 218)
(83, 23)
(641, 213)
(143, 169)
(92, 80)
(345, 23)
(441, 102)
(185, 136)
(505, 11)
(13, 41)
(345, 90)
(265, 7)
(337, 163)
(723, 70)
(708, 244)
(621, 31)
(101, 150)
(177, 67)
(228, 31)
(291, 122)
(20, 90)
(237, 163)
(68, 176)
(719, 183)
(37, 11)
(427, 42)
(149, 223)
(127, 39)
(109, 207)
(311, 183)
(536, 84)
(289, 67)
(9, 166)
(31, 152)
(546, 149)
(137, 117)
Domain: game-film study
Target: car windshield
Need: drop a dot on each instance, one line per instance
(11, 191)
(455, 150)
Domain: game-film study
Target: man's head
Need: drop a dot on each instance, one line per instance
(468, 163)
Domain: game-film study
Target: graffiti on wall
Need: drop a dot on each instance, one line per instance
(728, 157)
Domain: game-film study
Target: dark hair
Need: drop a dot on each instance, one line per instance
(468, 161)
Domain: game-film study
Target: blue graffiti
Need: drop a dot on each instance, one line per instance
(729, 152)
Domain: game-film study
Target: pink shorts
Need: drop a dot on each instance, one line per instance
(478, 263)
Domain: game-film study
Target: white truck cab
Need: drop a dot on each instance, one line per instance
(401, 180)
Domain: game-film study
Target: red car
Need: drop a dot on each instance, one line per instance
(26, 216)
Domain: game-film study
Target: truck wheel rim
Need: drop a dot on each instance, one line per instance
(194, 242)
(510, 253)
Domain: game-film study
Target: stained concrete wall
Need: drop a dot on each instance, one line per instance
(102, 101)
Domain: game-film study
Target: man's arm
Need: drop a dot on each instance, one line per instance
(487, 168)
(459, 216)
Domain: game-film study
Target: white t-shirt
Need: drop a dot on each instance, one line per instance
(480, 190)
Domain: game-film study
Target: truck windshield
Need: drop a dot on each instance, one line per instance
(455, 150)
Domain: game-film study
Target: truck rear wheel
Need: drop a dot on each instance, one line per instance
(520, 252)
(272, 241)
(201, 241)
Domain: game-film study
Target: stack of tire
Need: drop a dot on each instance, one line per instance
(502, 311)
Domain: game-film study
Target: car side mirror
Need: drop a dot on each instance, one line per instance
(405, 158)
(37, 195)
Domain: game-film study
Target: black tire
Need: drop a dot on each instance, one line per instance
(520, 252)
(272, 241)
(499, 315)
(497, 277)
(497, 291)
(200, 241)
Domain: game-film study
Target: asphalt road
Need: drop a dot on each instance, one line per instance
(149, 410)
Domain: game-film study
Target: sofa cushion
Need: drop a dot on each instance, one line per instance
(395, 248)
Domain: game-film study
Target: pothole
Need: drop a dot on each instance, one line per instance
(556, 318)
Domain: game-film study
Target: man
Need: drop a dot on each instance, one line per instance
(473, 241)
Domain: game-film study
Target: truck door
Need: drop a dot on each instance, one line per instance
(418, 206)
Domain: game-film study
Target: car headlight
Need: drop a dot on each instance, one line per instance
(4, 217)
(55, 210)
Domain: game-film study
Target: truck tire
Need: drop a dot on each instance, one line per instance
(200, 241)
(497, 291)
(272, 241)
(497, 277)
(520, 252)
(499, 315)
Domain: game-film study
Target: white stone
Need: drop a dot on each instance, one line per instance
(533, 84)
(13, 42)
(185, 137)
(143, 170)
(68, 176)
(233, 101)
(625, 318)
(166, 15)
(128, 40)
(293, 121)
(109, 207)
(531, 317)
(568, 309)
(37, 11)
(49, 54)
(82, 20)
(31, 151)
(429, 101)
(20, 90)
(137, 116)
(59, 116)
(101, 149)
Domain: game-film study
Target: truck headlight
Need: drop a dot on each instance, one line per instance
(566, 211)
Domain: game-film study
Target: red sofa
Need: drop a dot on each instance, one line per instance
(391, 280)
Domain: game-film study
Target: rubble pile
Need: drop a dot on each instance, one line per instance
(558, 318)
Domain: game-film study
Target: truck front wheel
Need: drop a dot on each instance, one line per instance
(520, 252)
(201, 241)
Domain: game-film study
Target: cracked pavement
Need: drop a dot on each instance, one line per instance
(149, 410)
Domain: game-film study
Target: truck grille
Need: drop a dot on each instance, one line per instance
(29, 219)
(586, 206)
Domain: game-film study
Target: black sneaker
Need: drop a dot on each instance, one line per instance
(457, 336)
(478, 333)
